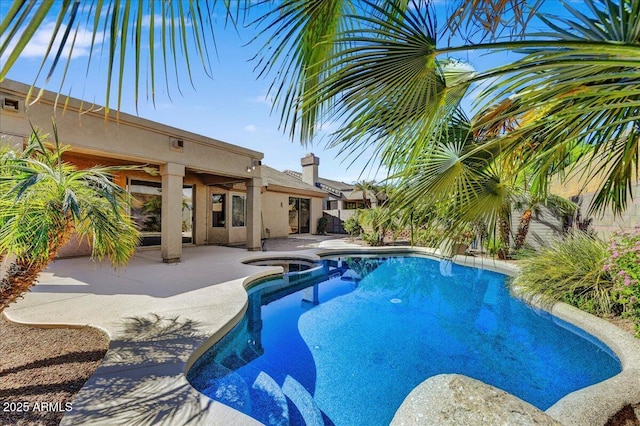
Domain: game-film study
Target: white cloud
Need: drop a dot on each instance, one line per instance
(37, 46)
(250, 128)
(263, 99)
(157, 20)
(327, 127)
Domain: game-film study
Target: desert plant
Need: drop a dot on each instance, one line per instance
(322, 225)
(570, 270)
(373, 238)
(352, 226)
(497, 247)
(623, 264)
(377, 221)
(428, 237)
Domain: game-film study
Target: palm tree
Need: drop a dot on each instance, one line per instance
(379, 220)
(379, 68)
(531, 204)
(392, 87)
(45, 201)
(367, 187)
(578, 85)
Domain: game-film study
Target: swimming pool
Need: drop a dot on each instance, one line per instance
(345, 343)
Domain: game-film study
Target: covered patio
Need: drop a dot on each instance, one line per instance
(169, 161)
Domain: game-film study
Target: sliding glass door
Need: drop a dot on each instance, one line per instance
(299, 215)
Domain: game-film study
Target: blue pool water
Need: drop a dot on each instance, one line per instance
(345, 343)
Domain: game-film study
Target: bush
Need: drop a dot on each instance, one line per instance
(428, 237)
(570, 270)
(623, 264)
(322, 225)
(497, 247)
(352, 226)
(372, 238)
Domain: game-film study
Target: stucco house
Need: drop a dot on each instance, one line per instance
(190, 189)
(341, 200)
(290, 206)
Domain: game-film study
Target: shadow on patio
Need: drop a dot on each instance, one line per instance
(141, 379)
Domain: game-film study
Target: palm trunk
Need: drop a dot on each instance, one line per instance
(523, 229)
(20, 277)
(505, 232)
(24, 272)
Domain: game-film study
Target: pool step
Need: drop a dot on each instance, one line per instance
(269, 401)
(269, 404)
(303, 400)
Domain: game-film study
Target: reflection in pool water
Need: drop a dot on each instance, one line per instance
(346, 342)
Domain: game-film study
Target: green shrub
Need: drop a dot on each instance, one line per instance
(623, 264)
(570, 270)
(497, 247)
(428, 237)
(322, 225)
(352, 226)
(372, 238)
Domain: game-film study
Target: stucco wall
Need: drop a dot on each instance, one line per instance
(574, 186)
(608, 223)
(275, 214)
(316, 213)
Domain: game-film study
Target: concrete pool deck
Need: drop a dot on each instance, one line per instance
(160, 317)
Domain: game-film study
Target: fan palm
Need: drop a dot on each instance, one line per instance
(462, 184)
(577, 85)
(45, 201)
(376, 68)
(391, 87)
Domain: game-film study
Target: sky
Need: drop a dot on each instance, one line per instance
(232, 106)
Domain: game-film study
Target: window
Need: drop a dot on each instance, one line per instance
(238, 210)
(187, 213)
(217, 210)
(146, 209)
(353, 205)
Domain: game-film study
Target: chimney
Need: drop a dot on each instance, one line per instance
(310, 165)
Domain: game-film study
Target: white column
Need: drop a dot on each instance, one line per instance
(254, 214)
(171, 239)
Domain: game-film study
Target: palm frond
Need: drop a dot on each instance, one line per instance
(578, 85)
(184, 30)
(303, 39)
